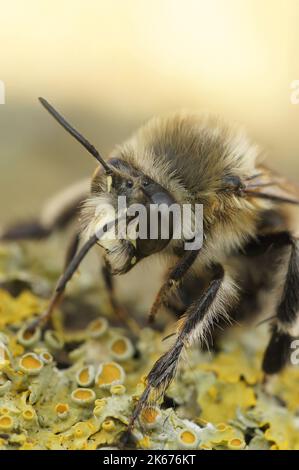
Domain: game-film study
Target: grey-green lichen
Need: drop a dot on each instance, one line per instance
(75, 387)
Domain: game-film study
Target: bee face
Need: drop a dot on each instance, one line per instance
(138, 191)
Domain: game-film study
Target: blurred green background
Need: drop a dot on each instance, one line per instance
(110, 65)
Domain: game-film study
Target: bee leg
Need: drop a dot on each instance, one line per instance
(31, 230)
(55, 215)
(118, 310)
(278, 351)
(70, 253)
(194, 324)
(72, 249)
(109, 284)
(174, 277)
(286, 326)
(76, 258)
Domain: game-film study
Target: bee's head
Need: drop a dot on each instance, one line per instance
(129, 194)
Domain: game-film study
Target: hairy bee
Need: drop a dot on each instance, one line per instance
(249, 251)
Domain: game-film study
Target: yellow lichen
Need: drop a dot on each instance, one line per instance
(83, 396)
(221, 427)
(144, 443)
(286, 385)
(108, 425)
(53, 339)
(6, 423)
(30, 364)
(46, 357)
(97, 411)
(17, 309)
(117, 389)
(188, 439)
(62, 410)
(29, 414)
(221, 391)
(27, 337)
(98, 327)
(121, 348)
(231, 366)
(221, 401)
(236, 444)
(85, 376)
(4, 353)
(109, 374)
(150, 416)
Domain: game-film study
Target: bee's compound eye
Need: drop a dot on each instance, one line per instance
(129, 184)
(145, 182)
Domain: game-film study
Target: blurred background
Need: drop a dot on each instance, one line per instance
(111, 65)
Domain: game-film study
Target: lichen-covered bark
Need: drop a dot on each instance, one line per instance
(75, 385)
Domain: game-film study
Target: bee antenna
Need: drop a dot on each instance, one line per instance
(271, 197)
(89, 147)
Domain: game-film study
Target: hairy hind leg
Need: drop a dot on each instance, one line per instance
(173, 280)
(194, 325)
(285, 327)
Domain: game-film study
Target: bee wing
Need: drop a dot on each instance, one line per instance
(268, 184)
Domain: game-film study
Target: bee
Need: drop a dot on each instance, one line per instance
(250, 249)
